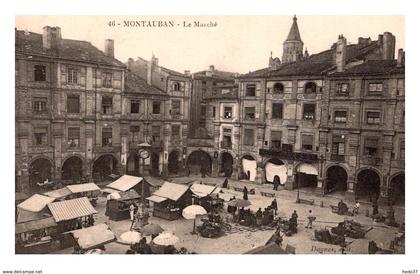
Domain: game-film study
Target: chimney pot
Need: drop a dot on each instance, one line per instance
(51, 37)
(109, 48)
(388, 46)
(401, 58)
(340, 53)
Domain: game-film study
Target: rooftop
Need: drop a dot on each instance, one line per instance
(31, 43)
(135, 84)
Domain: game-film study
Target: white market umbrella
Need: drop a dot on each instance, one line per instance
(130, 237)
(166, 238)
(192, 211)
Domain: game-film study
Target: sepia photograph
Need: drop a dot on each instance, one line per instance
(280, 134)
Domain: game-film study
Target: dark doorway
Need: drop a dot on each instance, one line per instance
(336, 179)
(368, 185)
(198, 162)
(103, 167)
(72, 169)
(133, 164)
(173, 162)
(398, 190)
(306, 180)
(39, 171)
(154, 164)
(227, 164)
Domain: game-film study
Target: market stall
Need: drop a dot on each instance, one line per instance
(90, 190)
(169, 201)
(206, 196)
(59, 194)
(89, 238)
(35, 237)
(128, 182)
(118, 204)
(33, 208)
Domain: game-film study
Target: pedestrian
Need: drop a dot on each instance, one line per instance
(311, 218)
(225, 183)
(132, 208)
(245, 193)
(356, 208)
(375, 207)
(276, 182)
(274, 206)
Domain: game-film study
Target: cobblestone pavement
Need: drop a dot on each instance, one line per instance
(241, 239)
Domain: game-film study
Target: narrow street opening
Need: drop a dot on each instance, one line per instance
(398, 190)
(39, 171)
(133, 164)
(72, 169)
(226, 164)
(368, 185)
(103, 167)
(336, 179)
(199, 162)
(174, 162)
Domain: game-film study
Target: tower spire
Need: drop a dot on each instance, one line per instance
(293, 45)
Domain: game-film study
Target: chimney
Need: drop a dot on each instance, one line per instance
(211, 68)
(149, 72)
(187, 73)
(51, 37)
(130, 63)
(155, 61)
(109, 48)
(364, 41)
(388, 46)
(380, 39)
(401, 58)
(340, 53)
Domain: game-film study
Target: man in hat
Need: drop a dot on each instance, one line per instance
(274, 206)
(245, 193)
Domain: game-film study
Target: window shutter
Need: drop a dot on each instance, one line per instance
(83, 76)
(31, 71)
(307, 140)
(276, 135)
(341, 149)
(98, 78)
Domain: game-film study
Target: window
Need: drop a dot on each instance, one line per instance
(156, 108)
(175, 132)
(40, 135)
(309, 111)
(307, 142)
(338, 146)
(203, 111)
(340, 116)
(135, 106)
(277, 112)
(227, 138)
(176, 107)
(72, 75)
(214, 83)
(73, 104)
(227, 112)
(40, 73)
(343, 88)
(203, 83)
(310, 87)
(106, 137)
(250, 90)
(106, 104)
(134, 134)
(249, 113)
(156, 134)
(276, 139)
(249, 137)
(177, 86)
(73, 137)
(402, 150)
(107, 79)
(278, 88)
(40, 105)
(375, 87)
(371, 146)
(400, 87)
(373, 117)
(214, 112)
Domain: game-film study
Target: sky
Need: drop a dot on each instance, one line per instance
(237, 44)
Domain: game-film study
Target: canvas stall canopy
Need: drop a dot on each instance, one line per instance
(71, 209)
(125, 183)
(94, 236)
(88, 187)
(35, 225)
(307, 169)
(33, 208)
(251, 167)
(271, 170)
(58, 193)
(171, 191)
(201, 190)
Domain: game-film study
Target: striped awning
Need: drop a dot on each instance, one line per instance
(71, 209)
